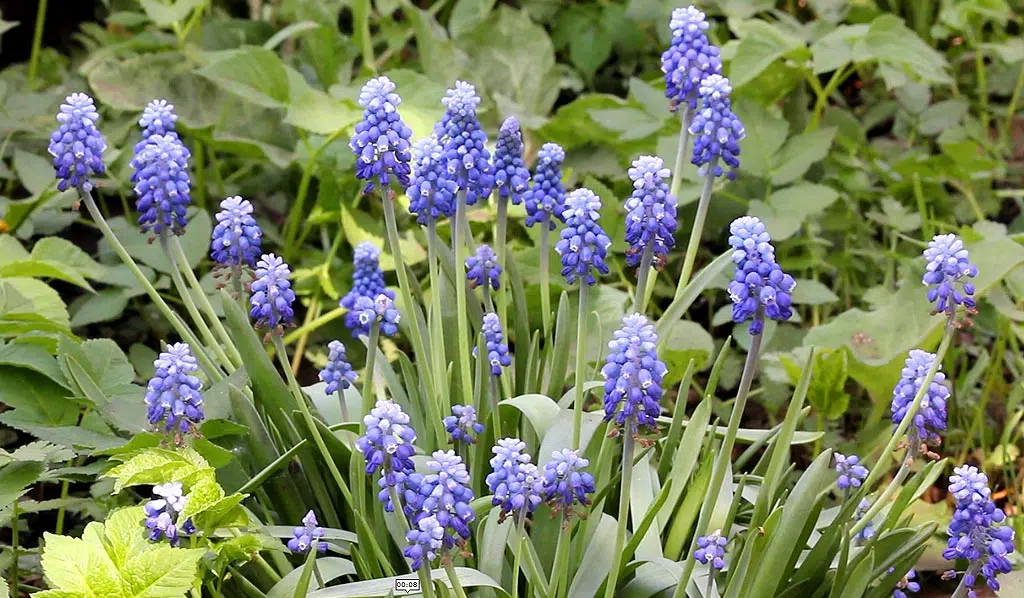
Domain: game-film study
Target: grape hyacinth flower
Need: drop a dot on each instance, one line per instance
(494, 340)
(546, 196)
(716, 129)
(173, 394)
(975, 533)
(381, 310)
(431, 192)
(367, 281)
(236, 238)
(850, 471)
(584, 244)
(307, 537)
(468, 163)
(338, 373)
(510, 174)
(462, 424)
(443, 493)
(514, 482)
(162, 184)
(564, 481)
(907, 584)
(483, 268)
(711, 550)
(633, 375)
(388, 446)
(158, 118)
(868, 531)
(650, 211)
(272, 294)
(689, 58)
(162, 514)
(948, 265)
(381, 140)
(77, 146)
(759, 281)
(425, 541)
(930, 420)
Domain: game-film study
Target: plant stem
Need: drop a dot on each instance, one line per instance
(979, 67)
(697, 230)
(560, 566)
(724, 454)
(453, 577)
(371, 357)
(684, 141)
(33, 65)
(517, 558)
(545, 283)
(204, 301)
(236, 287)
(316, 574)
(404, 287)
(877, 471)
(207, 364)
(460, 298)
(1011, 108)
(628, 448)
(437, 346)
(361, 16)
(190, 304)
(643, 272)
(501, 231)
(890, 490)
(581, 361)
(963, 590)
(15, 542)
(822, 100)
(426, 583)
(306, 328)
(495, 398)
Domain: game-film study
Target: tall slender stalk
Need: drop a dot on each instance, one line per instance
(545, 282)
(724, 454)
(495, 399)
(500, 232)
(437, 348)
(628, 448)
(33, 65)
(459, 248)
(963, 590)
(517, 557)
(581, 364)
(453, 577)
(681, 153)
(371, 357)
(209, 368)
(643, 272)
(560, 566)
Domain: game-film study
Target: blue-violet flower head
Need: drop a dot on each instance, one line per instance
(381, 140)
(445, 493)
(367, 281)
(689, 58)
(494, 341)
(717, 131)
(236, 238)
(307, 537)
(868, 531)
(162, 184)
(380, 309)
(77, 146)
(545, 199)
(338, 373)
(462, 424)
(584, 244)
(946, 273)
(431, 191)
(711, 550)
(173, 395)
(483, 268)
(162, 514)
(633, 374)
(930, 420)
(907, 584)
(514, 482)
(974, 531)
(850, 471)
(650, 211)
(425, 541)
(158, 118)
(564, 481)
(468, 163)
(758, 281)
(510, 174)
(272, 294)
(388, 446)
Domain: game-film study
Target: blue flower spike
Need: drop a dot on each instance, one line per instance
(307, 538)
(711, 550)
(162, 184)
(77, 146)
(463, 142)
(975, 533)
(633, 375)
(445, 495)
(850, 471)
(584, 244)
(431, 191)
(545, 199)
(381, 140)
(759, 282)
(236, 239)
(498, 357)
(717, 131)
(462, 424)
(272, 295)
(690, 57)
(158, 118)
(174, 400)
(510, 174)
(907, 584)
(483, 268)
(381, 310)
(338, 373)
(948, 266)
(564, 483)
(650, 211)
(367, 281)
(388, 447)
(515, 483)
(162, 514)
(930, 420)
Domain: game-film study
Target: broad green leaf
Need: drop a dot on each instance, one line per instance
(330, 568)
(42, 451)
(597, 559)
(33, 357)
(799, 152)
(762, 44)
(360, 226)
(159, 465)
(559, 435)
(787, 209)
(103, 306)
(469, 578)
(34, 172)
(834, 50)
(164, 14)
(252, 73)
(33, 303)
(16, 477)
(62, 251)
(687, 340)
(195, 241)
(468, 14)
(812, 292)
(903, 55)
(69, 435)
(74, 565)
(317, 112)
(33, 268)
(941, 116)
(161, 572)
(201, 497)
(36, 397)
(539, 409)
(105, 364)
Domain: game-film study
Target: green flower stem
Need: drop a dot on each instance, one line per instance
(33, 65)
(501, 230)
(495, 399)
(371, 357)
(560, 566)
(316, 574)
(236, 287)
(962, 590)
(209, 368)
(460, 298)
(308, 327)
(681, 153)
(404, 285)
(15, 543)
(642, 277)
(628, 448)
(437, 348)
(876, 471)
(517, 558)
(545, 283)
(204, 302)
(488, 302)
(190, 304)
(890, 490)
(581, 364)
(1011, 109)
(724, 454)
(426, 583)
(453, 577)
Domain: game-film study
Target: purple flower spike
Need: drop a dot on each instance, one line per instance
(173, 397)
(850, 471)
(483, 268)
(468, 163)
(689, 58)
(907, 584)
(272, 294)
(515, 483)
(236, 238)
(545, 200)
(510, 174)
(77, 146)
(367, 281)
(948, 267)
(717, 130)
(462, 424)
(338, 373)
(930, 419)
(650, 210)
(711, 550)
(584, 244)
(759, 281)
(158, 118)
(425, 541)
(162, 514)
(162, 184)
(974, 532)
(633, 375)
(565, 483)
(381, 310)
(307, 537)
(494, 339)
(444, 493)
(432, 191)
(381, 140)
(388, 446)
